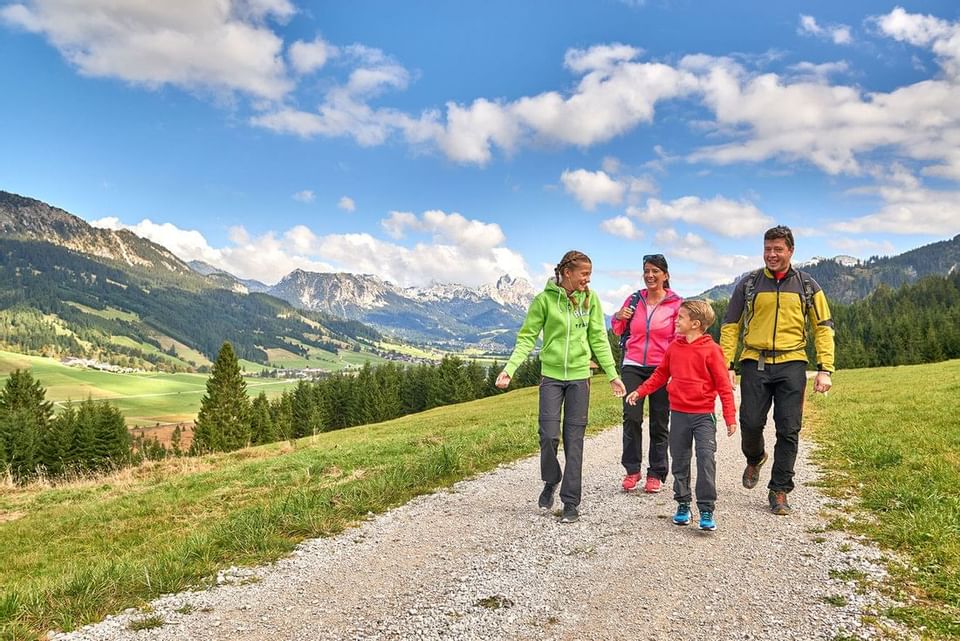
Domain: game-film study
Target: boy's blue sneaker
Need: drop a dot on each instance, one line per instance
(707, 522)
(682, 517)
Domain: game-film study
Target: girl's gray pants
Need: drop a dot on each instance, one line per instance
(573, 397)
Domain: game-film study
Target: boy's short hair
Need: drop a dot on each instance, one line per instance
(700, 310)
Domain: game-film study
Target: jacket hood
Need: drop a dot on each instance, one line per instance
(702, 340)
(556, 290)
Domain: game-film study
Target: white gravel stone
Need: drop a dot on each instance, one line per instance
(480, 562)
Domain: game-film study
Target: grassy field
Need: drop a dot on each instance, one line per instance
(890, 438)
(144, 399)
(71, 555)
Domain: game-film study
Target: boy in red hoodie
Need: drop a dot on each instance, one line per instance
(697, 373)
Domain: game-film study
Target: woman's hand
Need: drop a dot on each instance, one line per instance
(503, 380)
(625, 313)
(632, 398)
(619, 389)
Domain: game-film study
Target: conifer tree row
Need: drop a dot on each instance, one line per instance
(91, 437)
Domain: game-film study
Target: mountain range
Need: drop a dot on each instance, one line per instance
(82, 288)
(846, 279)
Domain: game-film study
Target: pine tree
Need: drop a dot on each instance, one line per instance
(19, 428)
(82, 451)
(304, 411)
(176, 441)
(262, 428)
(111, 437)
(25, 416)
(223, 421)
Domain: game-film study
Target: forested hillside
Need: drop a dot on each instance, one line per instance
(917, 323)
(59, 301)
(846, 283)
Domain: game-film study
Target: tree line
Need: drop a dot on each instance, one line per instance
(91, 437)
(228, 420)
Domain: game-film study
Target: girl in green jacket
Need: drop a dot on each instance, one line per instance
(572, 322)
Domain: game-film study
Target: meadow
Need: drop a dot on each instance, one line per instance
(144, 398)
(173, 523)
(889, 439)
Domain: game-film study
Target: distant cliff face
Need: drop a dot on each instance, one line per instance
(28, 219)
(442, 313)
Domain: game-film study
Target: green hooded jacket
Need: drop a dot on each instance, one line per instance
(569, 332)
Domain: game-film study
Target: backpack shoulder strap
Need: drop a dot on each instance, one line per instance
(806, 282)
(634, 300)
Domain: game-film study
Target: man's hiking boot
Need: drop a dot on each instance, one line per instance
(707, 522)
(570, 513)
(751, 473)
(546, 497)
(653, 485)
(778, 503)
(682, 517)
(630, 482)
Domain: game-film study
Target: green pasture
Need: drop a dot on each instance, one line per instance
(143, 398)
(890, 439)
(174, 524)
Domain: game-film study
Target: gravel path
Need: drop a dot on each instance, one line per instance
(480, 561)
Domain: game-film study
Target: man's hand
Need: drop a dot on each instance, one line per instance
(822, 383)
(618, 388)
(503, 380)
(632, 398)
(733, 378)
(731, 429)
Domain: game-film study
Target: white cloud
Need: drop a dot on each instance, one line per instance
(591, 188)
(829, 125)
(909, 210)
(862, 246)
(305, 196)
(623, 227)
(461, 250)
(346, 203)
(712, 267)
(839, 34)
(726, 217)
(307, 57)
(221, 46)
(925, 31)
(601, 57)
(187, 244)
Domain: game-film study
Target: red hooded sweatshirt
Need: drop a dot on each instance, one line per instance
(697, 373)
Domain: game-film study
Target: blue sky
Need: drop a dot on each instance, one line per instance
(437, 141)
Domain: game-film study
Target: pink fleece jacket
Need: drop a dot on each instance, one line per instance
(651, 328)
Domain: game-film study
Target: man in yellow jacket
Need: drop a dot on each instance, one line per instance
(768, 314)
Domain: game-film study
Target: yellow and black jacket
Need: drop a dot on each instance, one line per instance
(773, 324)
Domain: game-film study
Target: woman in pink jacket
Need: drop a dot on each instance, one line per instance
(646, 321)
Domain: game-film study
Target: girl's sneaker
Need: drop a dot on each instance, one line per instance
(682, 517)
(707, 522)
(653, 485)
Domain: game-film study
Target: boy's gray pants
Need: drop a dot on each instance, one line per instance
(685, 430)
(574, 398)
